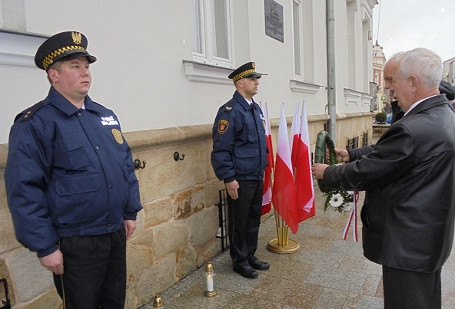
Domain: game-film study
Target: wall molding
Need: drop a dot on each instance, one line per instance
(300, 86)
(157, 138)
(18, 49)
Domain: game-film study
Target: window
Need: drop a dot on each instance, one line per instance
(296, 9)
(212, 32)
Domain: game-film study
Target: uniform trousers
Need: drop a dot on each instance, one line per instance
(244, 220)
(405, 289)
(94, 271)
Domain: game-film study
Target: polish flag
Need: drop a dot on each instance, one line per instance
(283, 192)
(267, 191)
(295, 135)
(302, 168)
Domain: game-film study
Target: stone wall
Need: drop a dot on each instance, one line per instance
(176, 231)
(353, 125)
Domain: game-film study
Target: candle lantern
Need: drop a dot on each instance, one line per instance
(209, 274)
(157, 302)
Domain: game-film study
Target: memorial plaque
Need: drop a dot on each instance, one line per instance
(274, 20)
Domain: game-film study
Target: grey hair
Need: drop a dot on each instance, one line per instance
(423, 63)
(394, 57)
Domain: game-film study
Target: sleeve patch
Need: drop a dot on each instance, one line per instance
(223, 126)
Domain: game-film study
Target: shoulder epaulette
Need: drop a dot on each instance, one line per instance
(229, 105)
(28, 113)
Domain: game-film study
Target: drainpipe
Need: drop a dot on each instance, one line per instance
(331, 93)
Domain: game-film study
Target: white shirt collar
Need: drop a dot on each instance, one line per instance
(249, 101)
(417, 103)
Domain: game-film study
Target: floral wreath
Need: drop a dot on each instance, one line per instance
(338, 200)
(341, 201)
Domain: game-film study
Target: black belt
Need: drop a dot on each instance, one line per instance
(250, 177)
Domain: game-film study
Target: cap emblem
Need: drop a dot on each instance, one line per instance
(77, 37)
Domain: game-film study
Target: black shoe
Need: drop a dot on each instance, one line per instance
(246, 271)
(259, 265)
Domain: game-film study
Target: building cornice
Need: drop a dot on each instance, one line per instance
(18, 49)
(367, 9)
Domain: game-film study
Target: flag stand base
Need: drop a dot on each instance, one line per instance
(282, 244)
(290, 247)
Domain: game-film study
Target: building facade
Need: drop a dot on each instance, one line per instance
(162, 67)
(382, 96)
(449, 71)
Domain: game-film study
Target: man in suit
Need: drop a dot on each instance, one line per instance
(409, 176)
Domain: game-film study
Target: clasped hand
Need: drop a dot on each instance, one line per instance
(318, 169)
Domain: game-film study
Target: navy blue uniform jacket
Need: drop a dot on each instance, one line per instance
(239, 148)
(69, 172)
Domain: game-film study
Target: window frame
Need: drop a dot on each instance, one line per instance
(297, 75)
(207, 37)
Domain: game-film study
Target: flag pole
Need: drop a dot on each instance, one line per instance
(282, 244)
(283, 192)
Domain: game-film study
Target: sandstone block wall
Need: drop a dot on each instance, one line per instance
(176, 231)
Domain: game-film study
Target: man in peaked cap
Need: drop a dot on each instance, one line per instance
(70, 181)
(245, 71)
(66, 45)
(239, 159)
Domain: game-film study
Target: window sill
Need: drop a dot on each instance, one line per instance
(19, 48)
(354, 97)
(300, 86)
(201, 72)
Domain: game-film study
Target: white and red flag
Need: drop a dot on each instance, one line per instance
(302, 169)
(267, 191)
(295, 135)
(283, 192)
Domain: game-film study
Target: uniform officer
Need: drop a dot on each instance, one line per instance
(239, 159)
(70, 181)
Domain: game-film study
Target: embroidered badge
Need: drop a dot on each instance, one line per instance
(228, 108)
(117, 135)
(109, 121)
(223, 126)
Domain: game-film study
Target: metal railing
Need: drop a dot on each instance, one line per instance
(223, 219)
(4, 296)
(353, 143)
(365, 139)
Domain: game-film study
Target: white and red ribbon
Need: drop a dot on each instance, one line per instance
(353, 214)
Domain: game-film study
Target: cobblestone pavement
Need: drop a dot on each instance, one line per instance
(326, 272)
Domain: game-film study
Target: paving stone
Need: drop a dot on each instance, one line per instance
(326, 272)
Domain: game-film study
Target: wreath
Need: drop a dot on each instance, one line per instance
(340, 200)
